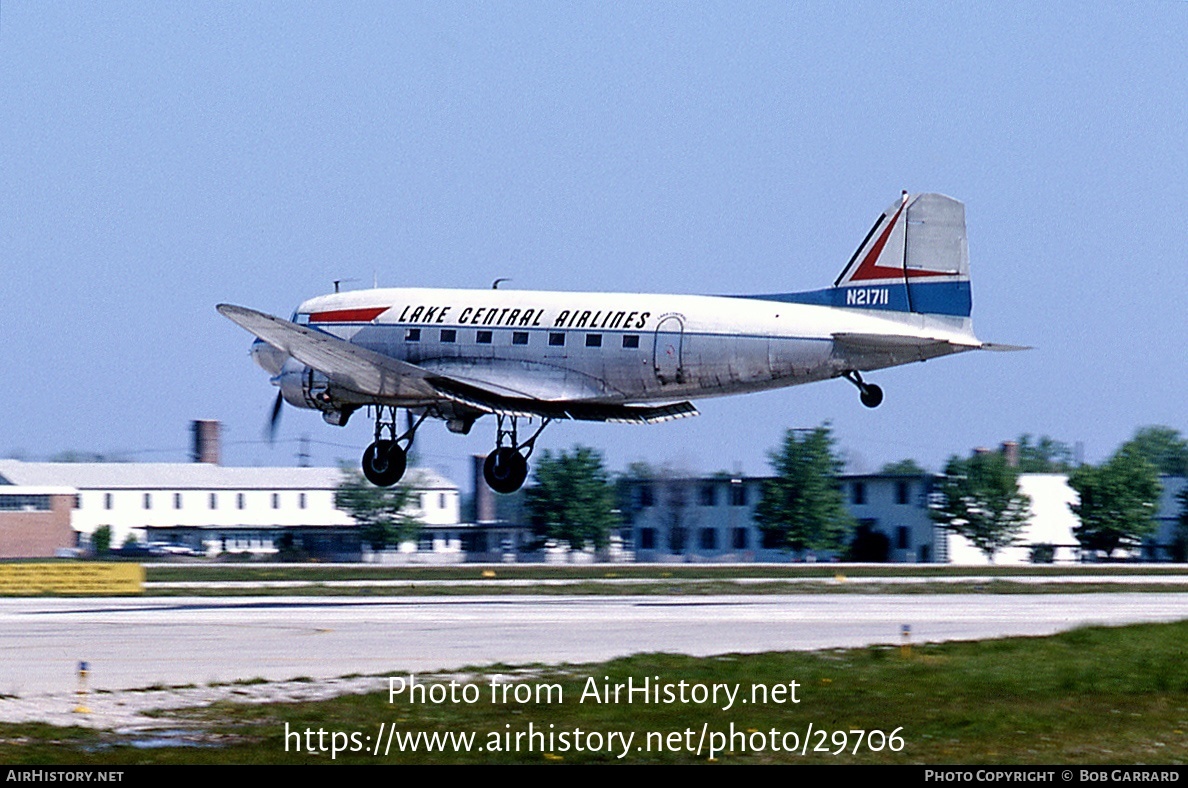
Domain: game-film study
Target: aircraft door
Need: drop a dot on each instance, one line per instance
(667, 350)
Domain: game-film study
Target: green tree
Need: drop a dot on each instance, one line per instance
(979, 498)
(382, 513)
(904, 468)
(1163, 447)
(802, 508)
(101, 540)
(571, 498)
(1043, 455)
(1118, 501)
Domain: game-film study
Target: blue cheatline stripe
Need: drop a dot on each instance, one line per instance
(933, 298)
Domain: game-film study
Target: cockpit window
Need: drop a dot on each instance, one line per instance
(300, 318)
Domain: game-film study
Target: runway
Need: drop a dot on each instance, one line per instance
(135, 643)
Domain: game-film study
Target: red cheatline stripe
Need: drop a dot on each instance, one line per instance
(365, 315)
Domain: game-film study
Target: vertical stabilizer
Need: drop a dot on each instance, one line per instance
(914, 259)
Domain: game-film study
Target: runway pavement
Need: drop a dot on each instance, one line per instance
(139, 642)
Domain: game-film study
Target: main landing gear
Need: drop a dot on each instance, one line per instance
(384, 461)
(870, 394)
(506, 468)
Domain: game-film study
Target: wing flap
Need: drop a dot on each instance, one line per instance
(493, 402)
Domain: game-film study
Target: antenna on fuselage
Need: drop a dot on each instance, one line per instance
(495, 284)
(337, 282)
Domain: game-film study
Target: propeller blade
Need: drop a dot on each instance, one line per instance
(274, 419)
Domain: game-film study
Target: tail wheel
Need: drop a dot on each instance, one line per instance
(384, 463)
(505, 470)
(871, 396)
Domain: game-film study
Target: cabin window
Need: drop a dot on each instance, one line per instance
(449, 335)
(275, 500)
(556, 338)
(239, 501)
(483, 337)
(631, 340)
(412, 335)
(301, 501)
(519, 337)
(148, 500)
(177, 500)
(593, 340)
(214, 501)
(106, 500)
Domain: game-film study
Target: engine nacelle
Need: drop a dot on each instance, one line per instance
(303, 387)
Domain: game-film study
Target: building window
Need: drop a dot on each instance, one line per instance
(738, 494)
(425, 543)
(902, 538)
(772, 540)
(449, 335)
(647, 538)
(214, 500)
(902, 492)
(177, 500)
(483, 337)
(239, 500)
(631, 340)
(412, 335)
(276, 500)
(519, 337)
(709, 538)
(301, 501)
(859, 493)
(25, 503)
(740, 538)
(593, 340)
(556, 338)
(646, 498)
(148, 500)
(709, 494)
(106, 500)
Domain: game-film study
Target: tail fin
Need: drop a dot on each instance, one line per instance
(914, 259)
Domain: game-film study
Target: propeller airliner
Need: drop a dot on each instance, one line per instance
(459, 355)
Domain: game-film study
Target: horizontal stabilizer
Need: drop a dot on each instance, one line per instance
(999, 348)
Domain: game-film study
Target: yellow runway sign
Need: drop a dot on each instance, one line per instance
(71, 578)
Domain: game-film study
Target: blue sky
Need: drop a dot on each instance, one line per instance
(160, 158)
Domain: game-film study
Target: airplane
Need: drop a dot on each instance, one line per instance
(459, 355)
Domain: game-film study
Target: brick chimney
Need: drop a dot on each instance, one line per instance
(206, 440)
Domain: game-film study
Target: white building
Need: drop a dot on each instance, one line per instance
(214, 508)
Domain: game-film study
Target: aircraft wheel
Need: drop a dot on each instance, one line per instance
(505, 470)
(383, 463)
(872, 395)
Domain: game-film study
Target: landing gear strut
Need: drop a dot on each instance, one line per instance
(870, 394)
(384, 460)
(506, 468)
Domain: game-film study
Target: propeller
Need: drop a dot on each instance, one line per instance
(274, 419)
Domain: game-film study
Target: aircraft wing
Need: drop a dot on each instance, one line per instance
(371, 373)
(346, 364)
